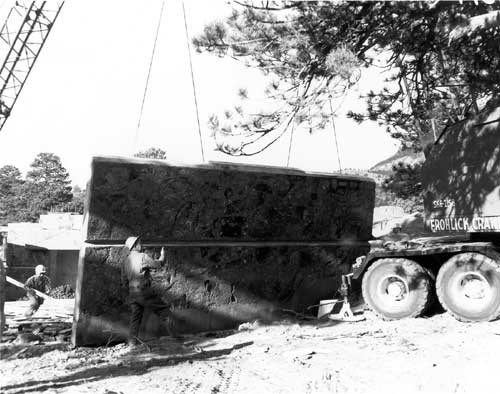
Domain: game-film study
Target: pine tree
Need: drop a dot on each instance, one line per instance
(47, 184)
(442, 60)
(152, 153)
(10, 183)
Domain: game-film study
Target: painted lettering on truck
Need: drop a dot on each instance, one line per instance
(466, 224)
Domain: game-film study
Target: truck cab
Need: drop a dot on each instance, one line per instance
(456, 258)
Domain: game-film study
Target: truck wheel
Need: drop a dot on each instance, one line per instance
(396, 288)
(468, 287)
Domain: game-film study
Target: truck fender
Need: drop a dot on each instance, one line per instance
(360, 266)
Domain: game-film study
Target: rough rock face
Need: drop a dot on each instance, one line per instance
(241, 243)
(211, 203)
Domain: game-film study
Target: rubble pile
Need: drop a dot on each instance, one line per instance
(64, 291)
(36, 331)
(51, 323)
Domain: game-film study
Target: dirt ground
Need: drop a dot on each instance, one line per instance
(431, 355)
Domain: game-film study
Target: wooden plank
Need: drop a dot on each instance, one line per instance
(21, 285)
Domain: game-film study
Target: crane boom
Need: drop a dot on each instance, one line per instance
(22, 37)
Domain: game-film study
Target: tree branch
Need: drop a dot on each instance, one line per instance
(266, 8)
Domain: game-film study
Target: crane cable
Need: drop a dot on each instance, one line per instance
(335, 132)
(149, 74)
(290, 143)
(193, 82)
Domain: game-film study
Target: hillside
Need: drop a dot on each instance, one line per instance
(385, 166)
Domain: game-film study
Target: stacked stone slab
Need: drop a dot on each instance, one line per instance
(242, 242)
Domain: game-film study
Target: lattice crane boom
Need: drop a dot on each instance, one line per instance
(22, 37)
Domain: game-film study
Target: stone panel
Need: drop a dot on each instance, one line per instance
(210, 288)
(167, 202)
(243, 242)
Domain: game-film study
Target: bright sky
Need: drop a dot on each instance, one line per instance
(84, 94)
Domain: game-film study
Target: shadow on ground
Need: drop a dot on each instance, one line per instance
(132, 363)
(13, 351)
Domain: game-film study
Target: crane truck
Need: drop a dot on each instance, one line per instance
(456, 258)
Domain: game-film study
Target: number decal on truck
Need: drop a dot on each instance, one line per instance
(443, 203)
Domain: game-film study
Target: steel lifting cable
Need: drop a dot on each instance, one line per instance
(291, 135)
(335, 132)
(193, 82)
(149, 74)
(290, 143)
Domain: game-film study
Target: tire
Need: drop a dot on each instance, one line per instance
(468, 287)
(397, 288)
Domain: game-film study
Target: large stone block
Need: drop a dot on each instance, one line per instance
(210, 288)
(207, 202)
(242, 243)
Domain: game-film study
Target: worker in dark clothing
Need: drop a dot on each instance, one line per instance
(40, 282)
(136, 278)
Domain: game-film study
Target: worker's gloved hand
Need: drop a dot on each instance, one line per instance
(163, 257)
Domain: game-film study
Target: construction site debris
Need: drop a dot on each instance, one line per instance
(427, 356)
(62, 292)
(51, 323)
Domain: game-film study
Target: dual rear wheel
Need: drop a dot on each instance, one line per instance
(467, 286)
(395, 288)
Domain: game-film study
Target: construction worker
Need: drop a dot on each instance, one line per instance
(40, 282)
(136, 278)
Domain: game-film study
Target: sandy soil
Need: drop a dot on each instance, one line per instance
(433, 355)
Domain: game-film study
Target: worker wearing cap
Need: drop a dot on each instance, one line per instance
(40, 282)
(136, 278)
